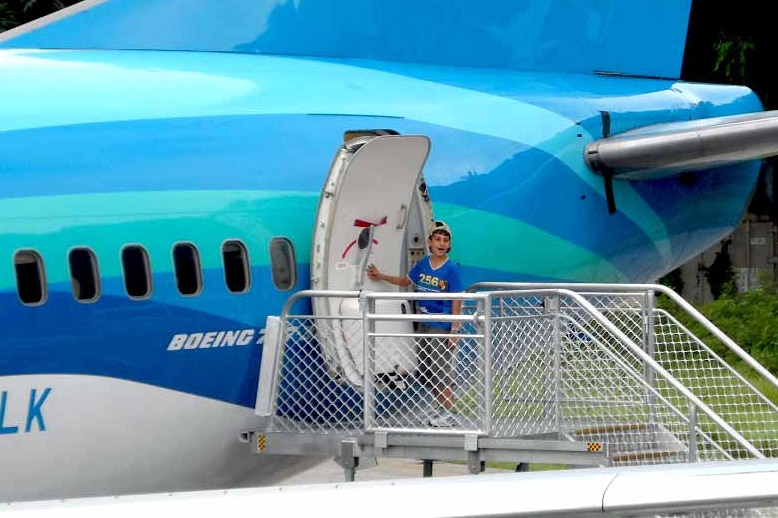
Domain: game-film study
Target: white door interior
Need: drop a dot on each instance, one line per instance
(371, 211)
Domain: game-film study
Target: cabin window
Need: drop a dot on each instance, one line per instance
(186, 261)
(84, 277)
(237, 274)
(30, 277)
(137, 272)
(282, 263)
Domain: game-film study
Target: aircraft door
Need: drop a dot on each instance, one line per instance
(373, 209)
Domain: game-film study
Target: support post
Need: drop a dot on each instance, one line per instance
(349, 459)
(692, 433)
(474, 464)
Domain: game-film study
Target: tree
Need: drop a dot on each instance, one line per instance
(17, 12)
(721, 277)
(732, 43)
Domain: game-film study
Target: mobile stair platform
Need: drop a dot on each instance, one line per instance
(581, 375)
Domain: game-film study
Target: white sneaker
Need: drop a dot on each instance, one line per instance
(444, 419)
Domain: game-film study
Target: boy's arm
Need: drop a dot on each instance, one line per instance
(397, 280)
(456, 309)
(455, 285)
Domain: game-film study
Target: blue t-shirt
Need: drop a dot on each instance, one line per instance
(444, 279)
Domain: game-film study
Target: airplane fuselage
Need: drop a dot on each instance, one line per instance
(131, 392)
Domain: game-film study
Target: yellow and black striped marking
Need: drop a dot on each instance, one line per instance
(261, 442)
(594, 446)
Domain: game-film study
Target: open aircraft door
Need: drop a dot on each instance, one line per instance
(374, 208)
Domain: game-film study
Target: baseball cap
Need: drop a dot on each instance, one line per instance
(440, 226)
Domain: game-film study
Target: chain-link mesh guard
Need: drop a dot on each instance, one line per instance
(313, 396)
(526, 364)
(690, 361)
(569, 377)
(415, 380)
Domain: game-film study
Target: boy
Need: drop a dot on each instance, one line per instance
(434, 273)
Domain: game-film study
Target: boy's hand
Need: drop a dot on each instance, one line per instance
(373, 272)
(453, 341)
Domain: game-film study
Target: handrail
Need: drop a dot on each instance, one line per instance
(691, 310)
(315, 293)
(646, 358)
(723, 363)
(635, 377)
(570, 291)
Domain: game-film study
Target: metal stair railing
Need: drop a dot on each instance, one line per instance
(645, 426)
(594, 390)
(599, 398)
(304, 388)
(530, 363)
(724, 389)
(314, 366)
(589, 289)
(727, 392)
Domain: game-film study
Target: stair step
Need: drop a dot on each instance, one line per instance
(612, 428)
(644, 455)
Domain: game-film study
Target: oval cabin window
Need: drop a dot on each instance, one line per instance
(137, 272)
(84, 277)
(282, 265)
(186, 261)
(237, 274)
(30, 277)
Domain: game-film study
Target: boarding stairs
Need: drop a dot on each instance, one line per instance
(573, 374)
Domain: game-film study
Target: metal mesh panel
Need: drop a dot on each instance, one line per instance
(323, 382)
(311, 396)
(719, 386)
(449, 373)
(522, 373)
(540, 363)
(609, 397)
(627, 311)
(592, 386)
(700, 370)
(567, 377)
(523, 393)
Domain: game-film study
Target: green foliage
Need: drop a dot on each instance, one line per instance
(749, 319)
(49, 5)
(673, 280)
(720, 275)
(17, 12)
(732, 52)
(9, 17)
